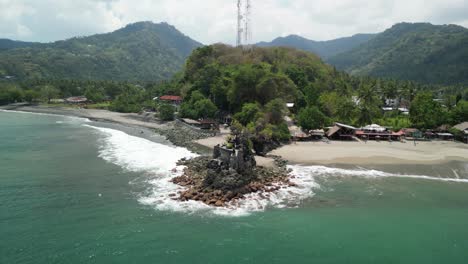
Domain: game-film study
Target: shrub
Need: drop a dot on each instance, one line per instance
(166, 112)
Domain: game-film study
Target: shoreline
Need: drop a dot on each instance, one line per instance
(301, 153)
(177, 135)
(130, 119)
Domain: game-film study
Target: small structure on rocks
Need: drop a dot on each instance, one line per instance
(228, 175)
(231, 168)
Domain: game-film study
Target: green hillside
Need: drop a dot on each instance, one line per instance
(325, 49)
(142, 51)
(420, 52)
(6, 44)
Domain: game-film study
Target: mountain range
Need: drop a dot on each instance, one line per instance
(142, 51)
(325, 49)
(145, 51)
(422, 52)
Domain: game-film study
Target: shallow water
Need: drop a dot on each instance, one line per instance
(74, 191)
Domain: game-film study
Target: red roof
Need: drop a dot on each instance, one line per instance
(170, 98)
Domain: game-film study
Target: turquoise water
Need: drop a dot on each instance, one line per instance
(73, 191)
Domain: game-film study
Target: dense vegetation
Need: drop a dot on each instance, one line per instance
(139, 52)
(254, 86)
(325, 49)
(6, 44)
(420, 52)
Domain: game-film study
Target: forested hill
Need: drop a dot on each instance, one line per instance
(420, 52)
(325, 49)
(142, 51)
(6, 44)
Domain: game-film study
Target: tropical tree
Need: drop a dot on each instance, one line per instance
(311, 118)
(425, 112)
(459, 114)
(166, 112)
(48, 92)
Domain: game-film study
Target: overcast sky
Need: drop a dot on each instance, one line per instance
(210, 21)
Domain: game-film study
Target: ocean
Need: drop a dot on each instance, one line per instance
(77, 191)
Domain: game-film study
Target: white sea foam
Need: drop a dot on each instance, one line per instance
(318, 171)
(158, 160)
(138, 154)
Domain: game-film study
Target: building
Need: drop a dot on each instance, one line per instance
(191, 122)
(317, 134)
(209, 124)
(404, 110)
(76, 100)
(445, 136)
(463, 127)
(376, 132)
(341, 132)
(412, 133)
(171, 99)
(392, 102)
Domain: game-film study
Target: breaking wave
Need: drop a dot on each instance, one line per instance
(322, 171)
(159, 162)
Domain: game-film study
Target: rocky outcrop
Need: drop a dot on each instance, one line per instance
(183, 135)
(229, 175)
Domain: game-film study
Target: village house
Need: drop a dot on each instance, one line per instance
(341, 132)
(76, 100)
(463, 127)
(175, 100)
(376, 132)
(412, 133)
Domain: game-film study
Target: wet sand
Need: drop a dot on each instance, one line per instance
(93, 114)
(305, 153)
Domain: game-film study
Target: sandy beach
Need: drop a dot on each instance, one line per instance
(359, 153)
(306, 153)
(92, 114)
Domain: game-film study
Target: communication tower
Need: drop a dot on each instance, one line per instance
(244, 23)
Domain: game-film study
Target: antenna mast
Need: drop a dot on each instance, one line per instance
(239, 23)
(247, 29)
(244, 27)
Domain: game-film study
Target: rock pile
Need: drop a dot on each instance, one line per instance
(228, 176)
(183, 135)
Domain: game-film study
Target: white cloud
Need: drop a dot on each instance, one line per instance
(212, 21)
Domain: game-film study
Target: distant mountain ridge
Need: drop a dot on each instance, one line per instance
(142, 51)
(6, 44)
(324, 49)
(420, 52)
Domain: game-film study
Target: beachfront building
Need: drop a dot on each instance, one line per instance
(191, 122)
(317, 134)
(412, 133)
(376, 132)
(463, 127)
(76, 100)
(209, 124)
(341, 132)
(445, 136)
(175, 100)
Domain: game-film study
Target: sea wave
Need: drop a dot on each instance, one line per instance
(322, 171)
(159, 161)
